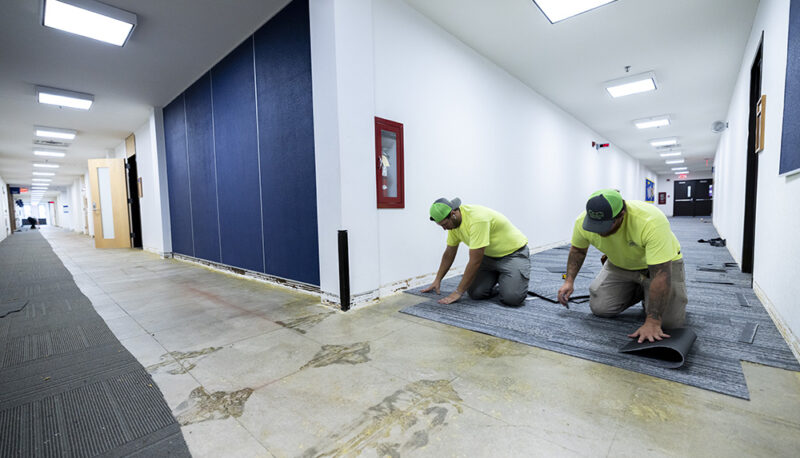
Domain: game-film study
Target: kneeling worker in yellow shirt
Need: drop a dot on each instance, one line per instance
(498, 252)
(644, 262)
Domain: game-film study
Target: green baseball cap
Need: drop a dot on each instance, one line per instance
(601, 209)
(442, 207)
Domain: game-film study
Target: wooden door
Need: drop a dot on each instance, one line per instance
(109, 204)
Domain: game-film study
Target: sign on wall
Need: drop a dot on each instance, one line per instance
(649, 190)
(662, 198)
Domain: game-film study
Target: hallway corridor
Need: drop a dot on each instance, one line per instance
(250, 369)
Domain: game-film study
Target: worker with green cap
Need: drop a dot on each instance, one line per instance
(642, 261)
(498, 253)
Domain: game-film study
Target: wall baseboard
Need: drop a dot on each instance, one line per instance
(262, 277)
(788, 335)
(163, 254)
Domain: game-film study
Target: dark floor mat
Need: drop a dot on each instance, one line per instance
(68, 387)
(714, 313)
(670, 352)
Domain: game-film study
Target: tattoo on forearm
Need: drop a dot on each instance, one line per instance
(660, 288)
(574, 262)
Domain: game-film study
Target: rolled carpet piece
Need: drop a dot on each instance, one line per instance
(670, 353)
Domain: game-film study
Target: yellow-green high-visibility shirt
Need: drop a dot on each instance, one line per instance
(644, 239)
(483, 227)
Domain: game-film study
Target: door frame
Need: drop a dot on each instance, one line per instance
(751, 180)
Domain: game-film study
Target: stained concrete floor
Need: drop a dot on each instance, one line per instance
(250, 369)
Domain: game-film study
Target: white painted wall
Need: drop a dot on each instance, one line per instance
(471, 130)
(474, 131)
(344, 106)
(89, 212)
(777, 217)
(5, 212)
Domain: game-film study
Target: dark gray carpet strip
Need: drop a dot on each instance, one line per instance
(729, 320)
(68, 387)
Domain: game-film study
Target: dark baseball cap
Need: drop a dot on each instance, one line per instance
(442, 207)
(601, 209)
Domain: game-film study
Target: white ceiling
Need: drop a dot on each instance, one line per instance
(174, 43)
(695, 47)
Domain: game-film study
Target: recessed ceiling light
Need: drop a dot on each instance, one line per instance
(675, 161)
(44, 174)
(89, 18)
(679, 168)
(558, 10)
(664, 142)
(631, 85)
(52, 132)
(64, 98)
(648, 123)
(671, 153)
(47, 166)
(44, 180)
(685, 172)
(41, 152)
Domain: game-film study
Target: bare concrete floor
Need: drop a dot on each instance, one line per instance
(254, 370)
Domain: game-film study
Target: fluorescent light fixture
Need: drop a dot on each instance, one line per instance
(47, 166)
(37, 188)
(659, 121)
(685, 172)
(52, 132)
(675, 161)
(558, 10)
(41, 152)
(671, 153)
(64, 98)
(43, 180)
(89, 18)
(664, 142)
(679, 168)
(632, 85)
(44, 174)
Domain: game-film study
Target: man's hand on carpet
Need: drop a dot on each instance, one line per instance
(452, 297)
(434, 286)
(565, 292)
(650, 330)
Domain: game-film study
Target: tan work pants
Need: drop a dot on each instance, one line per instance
(615, 289)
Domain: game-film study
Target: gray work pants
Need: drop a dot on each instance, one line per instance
(511, 273)
(615, 289)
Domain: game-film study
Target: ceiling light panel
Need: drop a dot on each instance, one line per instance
(682, 173)
(43, 180)
(46, 166)
(649, 123)
(636, 84)
(675, 161)
(558, 10)
(671, 154)
(52, 132)
(90, 19)
(64, 98)
(43, 174)
(41, 152)
(679, 168)
(660, 142)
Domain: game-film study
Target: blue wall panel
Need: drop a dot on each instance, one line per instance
(286, 136)
(236, 146)
(200, 143)
(790, 137)
(214, 132)
(178, 177)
